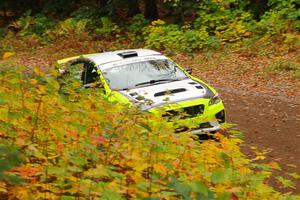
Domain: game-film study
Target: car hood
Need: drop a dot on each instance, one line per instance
(171, 92)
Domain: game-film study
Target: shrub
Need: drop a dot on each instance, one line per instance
(69, 27)
(159, 35)
(28, 25)
(2, 32)
(137, 23)
(221, 20)
(284, 65)
(108, 28)
(283, 17)
(75, 144)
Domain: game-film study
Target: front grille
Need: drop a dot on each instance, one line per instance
(193, 111)
(187, 112)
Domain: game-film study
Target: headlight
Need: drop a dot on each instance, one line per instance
(215, 99)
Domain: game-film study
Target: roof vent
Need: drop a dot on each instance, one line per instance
(128, 54)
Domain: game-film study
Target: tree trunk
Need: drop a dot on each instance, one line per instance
(103, 7)
(102, 3)
(258, 8)
(133, 8)
(5, 17)
(151, 9)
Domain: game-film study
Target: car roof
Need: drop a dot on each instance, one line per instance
(113, 56)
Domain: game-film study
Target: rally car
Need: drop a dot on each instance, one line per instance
(153, 82)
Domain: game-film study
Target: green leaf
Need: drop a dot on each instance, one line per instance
(199, 187)
(79, 161)
(67, 198)
(294, 175)
(201, 190)
(226, 159)
(182, 189)
(58, 171)
(285, 182)
(221, 176)
(224, 196)
(145, 126)
(111, 195)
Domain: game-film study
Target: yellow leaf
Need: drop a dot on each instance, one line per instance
(20, 192)
(234, 189)
(141, 167)
(160, 168)
(38, 71)
(8, 54)
(3, 187)
(72, 178)
(292, 165)
(274, 165)
(259, 157)
(54, 156)
(33, 81)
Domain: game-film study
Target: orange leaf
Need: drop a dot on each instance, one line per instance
(160, 168)
(26, 171)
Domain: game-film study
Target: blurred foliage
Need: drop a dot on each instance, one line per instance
(9, 158)
(67, 142)
(187, 25)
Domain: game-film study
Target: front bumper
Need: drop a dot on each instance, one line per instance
(208, 121)
(215, 126)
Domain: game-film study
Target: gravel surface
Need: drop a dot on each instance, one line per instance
(268, 123)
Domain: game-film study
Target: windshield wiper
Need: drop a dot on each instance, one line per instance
(157, 81)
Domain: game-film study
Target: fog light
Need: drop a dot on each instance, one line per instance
(220, 116)
(215, 99)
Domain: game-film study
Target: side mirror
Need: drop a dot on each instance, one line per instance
(188, 70)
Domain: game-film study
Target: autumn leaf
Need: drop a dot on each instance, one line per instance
(27, 171)
(285, 182)
(160, 168)
(274, 165)
(8, 55)
(294, 175)
(97, 139)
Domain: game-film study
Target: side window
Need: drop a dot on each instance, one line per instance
(83, 70)
(89, 73)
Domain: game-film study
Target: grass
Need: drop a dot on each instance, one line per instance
(285, 66)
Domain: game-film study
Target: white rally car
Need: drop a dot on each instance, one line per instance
(154, 82)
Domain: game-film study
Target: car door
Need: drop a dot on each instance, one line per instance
(83, 70)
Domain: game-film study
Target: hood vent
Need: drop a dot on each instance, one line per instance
(193, 83)
(133, 94)
(199, 87)
(169, 92)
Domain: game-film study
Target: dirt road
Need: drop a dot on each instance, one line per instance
(268, 122)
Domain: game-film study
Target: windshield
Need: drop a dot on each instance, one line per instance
(142, 74)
